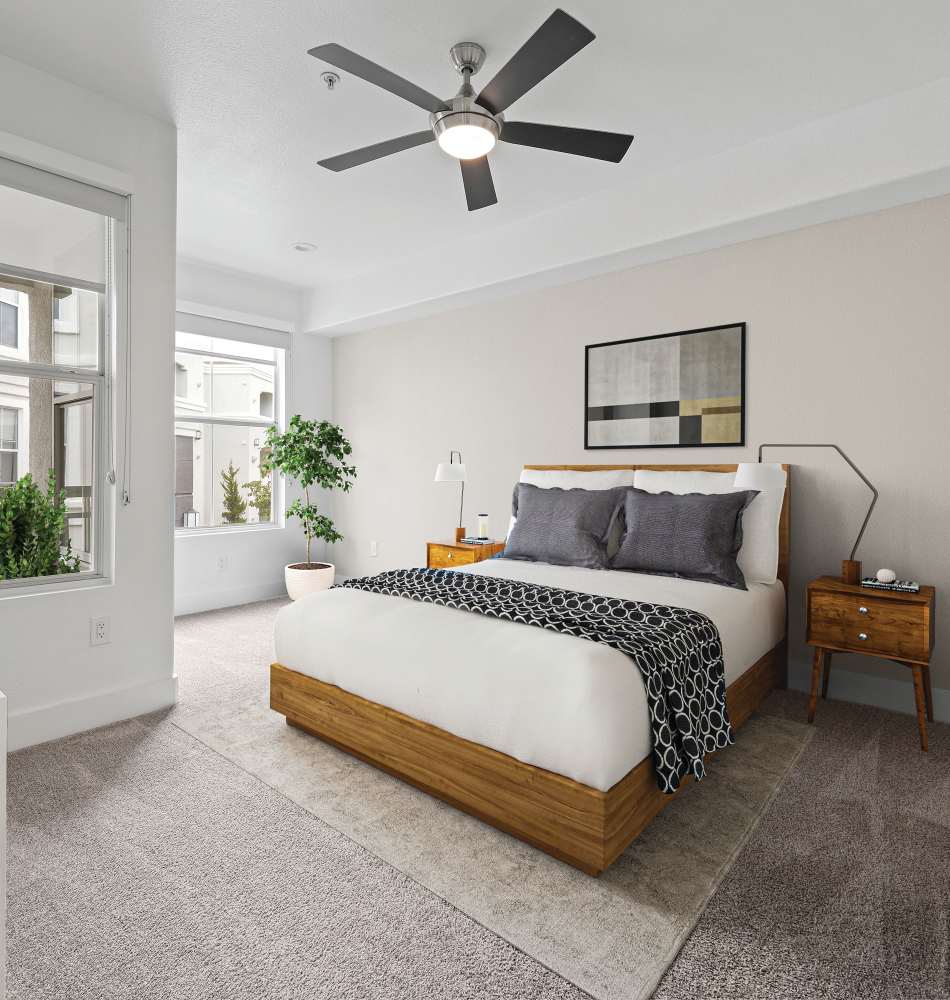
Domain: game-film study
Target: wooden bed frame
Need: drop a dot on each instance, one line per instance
(581, 825)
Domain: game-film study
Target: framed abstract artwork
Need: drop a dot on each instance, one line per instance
(673, 390)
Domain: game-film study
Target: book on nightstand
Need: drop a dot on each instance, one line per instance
(903, 586)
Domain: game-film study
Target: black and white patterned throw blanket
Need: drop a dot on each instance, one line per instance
(677, 651)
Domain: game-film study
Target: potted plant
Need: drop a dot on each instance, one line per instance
(313, 454)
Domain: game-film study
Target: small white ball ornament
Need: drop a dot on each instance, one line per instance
(886, 575)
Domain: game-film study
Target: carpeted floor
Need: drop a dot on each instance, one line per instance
(144, 864)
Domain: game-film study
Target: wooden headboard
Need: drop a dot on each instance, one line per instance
(784, 525)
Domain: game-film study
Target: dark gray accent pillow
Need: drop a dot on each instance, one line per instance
(692, 535)
(564, 527)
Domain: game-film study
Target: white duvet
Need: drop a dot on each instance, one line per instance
(565, 704)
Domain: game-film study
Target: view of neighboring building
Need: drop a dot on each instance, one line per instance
(224, 403)
(44, 424)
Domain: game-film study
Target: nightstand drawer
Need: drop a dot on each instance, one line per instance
(884, 627)
(445, 557)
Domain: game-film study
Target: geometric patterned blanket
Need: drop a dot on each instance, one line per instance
(678, 651)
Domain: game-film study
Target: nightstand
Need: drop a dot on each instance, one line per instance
(849, 618)
(448, 555)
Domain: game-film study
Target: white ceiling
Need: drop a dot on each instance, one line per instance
(689, 79)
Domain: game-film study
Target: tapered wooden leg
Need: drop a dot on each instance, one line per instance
(921, 703)
(929, 693)
(816, 668)
(826, 676)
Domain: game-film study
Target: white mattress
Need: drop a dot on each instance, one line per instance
(565, 704)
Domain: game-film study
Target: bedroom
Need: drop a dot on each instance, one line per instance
(785, 198)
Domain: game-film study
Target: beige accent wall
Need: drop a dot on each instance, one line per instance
(848, 341)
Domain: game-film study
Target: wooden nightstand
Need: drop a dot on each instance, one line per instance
(848, 618)
(448, 555)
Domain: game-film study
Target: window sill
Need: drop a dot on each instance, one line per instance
(227, 529)
(65, 583)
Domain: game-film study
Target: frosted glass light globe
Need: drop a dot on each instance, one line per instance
(466, 142)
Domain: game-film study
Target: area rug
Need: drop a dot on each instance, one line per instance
(614, 936)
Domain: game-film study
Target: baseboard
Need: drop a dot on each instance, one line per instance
(866, 689)
(211, 600)
(75, 715)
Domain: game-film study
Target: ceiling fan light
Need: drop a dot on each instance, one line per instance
(467, 142)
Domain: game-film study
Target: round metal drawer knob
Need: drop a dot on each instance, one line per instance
(863, 636)
(450, 556)
(862, 610)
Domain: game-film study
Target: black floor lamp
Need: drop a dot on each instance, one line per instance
(850, 567)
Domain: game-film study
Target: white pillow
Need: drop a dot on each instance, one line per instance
(758, 557)
(570, 479)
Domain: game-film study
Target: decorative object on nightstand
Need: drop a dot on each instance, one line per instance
(448, 555)
(453, 472)
(850, 567)
(891, 624)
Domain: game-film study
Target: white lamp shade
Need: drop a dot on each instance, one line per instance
(761, 476)
(450, 472)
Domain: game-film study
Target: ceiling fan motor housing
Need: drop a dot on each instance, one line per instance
(464, 111)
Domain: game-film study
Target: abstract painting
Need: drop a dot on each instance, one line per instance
(673, 390)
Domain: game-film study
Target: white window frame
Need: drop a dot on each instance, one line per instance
(115, 205)
(206, 326)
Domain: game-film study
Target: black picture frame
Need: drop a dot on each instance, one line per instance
(738, 443)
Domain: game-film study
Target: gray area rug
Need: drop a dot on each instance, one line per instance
(144, 866)
(614, 936)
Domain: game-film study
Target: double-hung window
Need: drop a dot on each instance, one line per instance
(227, 394)
(60, 290)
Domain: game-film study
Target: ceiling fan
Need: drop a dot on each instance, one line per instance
(468, 126)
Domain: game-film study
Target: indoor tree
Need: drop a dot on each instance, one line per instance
(313, 453)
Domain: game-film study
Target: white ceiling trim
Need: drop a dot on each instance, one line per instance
(875, 156)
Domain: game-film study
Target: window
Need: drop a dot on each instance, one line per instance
(9, 436)
(9, 325)
(226, 396)
(57, 314)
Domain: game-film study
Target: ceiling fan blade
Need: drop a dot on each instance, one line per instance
(610, 146)
(559, 38)
(350, 62)
(379, 149)
(479, 186)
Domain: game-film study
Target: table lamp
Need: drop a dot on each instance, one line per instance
(453, 472)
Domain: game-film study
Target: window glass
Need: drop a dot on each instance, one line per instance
(30, 330)
(226, 397)
(54, 286)
(206, 385)
(217, 476)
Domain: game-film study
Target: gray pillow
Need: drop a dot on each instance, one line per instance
(564, 527)
(693, 535)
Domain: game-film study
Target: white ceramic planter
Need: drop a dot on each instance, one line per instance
(301, 582)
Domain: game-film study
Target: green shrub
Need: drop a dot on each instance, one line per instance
(32, 527)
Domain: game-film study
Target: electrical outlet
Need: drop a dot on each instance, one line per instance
(373, 549)
(99, 634)
(222, 564)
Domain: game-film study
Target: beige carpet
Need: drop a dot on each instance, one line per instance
(614, 936)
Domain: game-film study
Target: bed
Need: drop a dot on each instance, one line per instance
(540, 734)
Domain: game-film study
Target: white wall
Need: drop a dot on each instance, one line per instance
(848, 341)
(253, 559)
(54, 681)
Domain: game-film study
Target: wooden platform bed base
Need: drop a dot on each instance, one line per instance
(581, 825)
